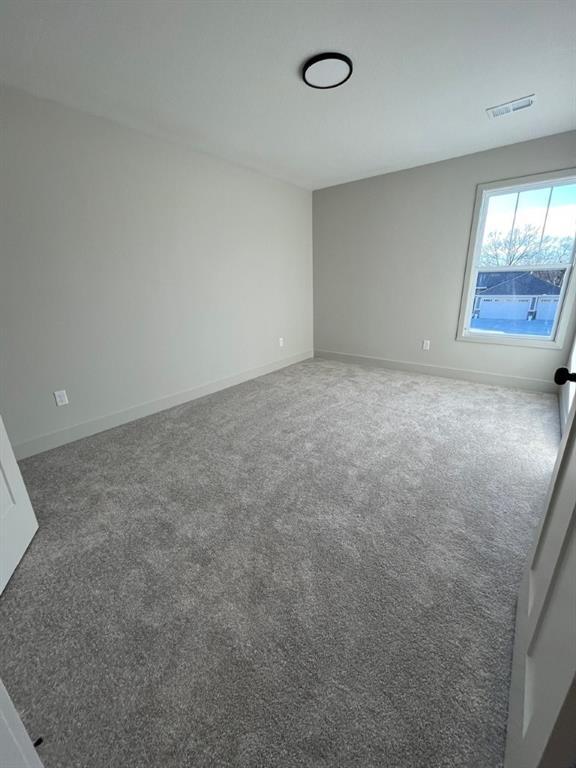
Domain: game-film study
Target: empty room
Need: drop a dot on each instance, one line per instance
(287, 384)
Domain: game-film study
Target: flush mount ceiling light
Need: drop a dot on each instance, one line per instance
(326, 70)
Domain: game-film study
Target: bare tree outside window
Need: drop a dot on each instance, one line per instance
(523, 247)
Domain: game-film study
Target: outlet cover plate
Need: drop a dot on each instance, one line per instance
(61, 397)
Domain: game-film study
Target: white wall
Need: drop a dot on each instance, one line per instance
(389, 260)
(136, 274)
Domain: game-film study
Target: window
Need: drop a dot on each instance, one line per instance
(519, 286)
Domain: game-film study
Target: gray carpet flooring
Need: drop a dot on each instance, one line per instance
(314, 568)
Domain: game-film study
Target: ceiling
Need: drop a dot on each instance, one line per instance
(222, 76)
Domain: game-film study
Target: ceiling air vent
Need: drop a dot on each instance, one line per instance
(511, 106)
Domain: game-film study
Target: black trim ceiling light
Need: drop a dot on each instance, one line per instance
(326, 70)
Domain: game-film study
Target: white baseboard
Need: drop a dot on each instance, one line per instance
(87, 428)
(481, 377)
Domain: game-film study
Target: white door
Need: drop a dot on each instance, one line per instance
(16, 748)
(17, 520)
(542, 712)
(568, 391)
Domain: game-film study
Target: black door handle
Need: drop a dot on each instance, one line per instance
(563, 375)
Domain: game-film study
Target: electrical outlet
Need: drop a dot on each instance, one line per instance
(61, 397)
(426, 345)
(281, 341)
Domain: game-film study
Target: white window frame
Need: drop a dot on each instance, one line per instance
(567, 295)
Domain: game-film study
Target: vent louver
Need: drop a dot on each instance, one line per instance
(511, 106)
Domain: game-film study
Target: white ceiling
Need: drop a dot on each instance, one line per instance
(223, 75)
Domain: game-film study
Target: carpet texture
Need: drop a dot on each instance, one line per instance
(315, 568)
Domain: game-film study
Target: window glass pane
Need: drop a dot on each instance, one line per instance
(497, 229)
(517, 302)
(528, 226)
(558, 240)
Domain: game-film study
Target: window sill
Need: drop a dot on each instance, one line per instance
(510, 341)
